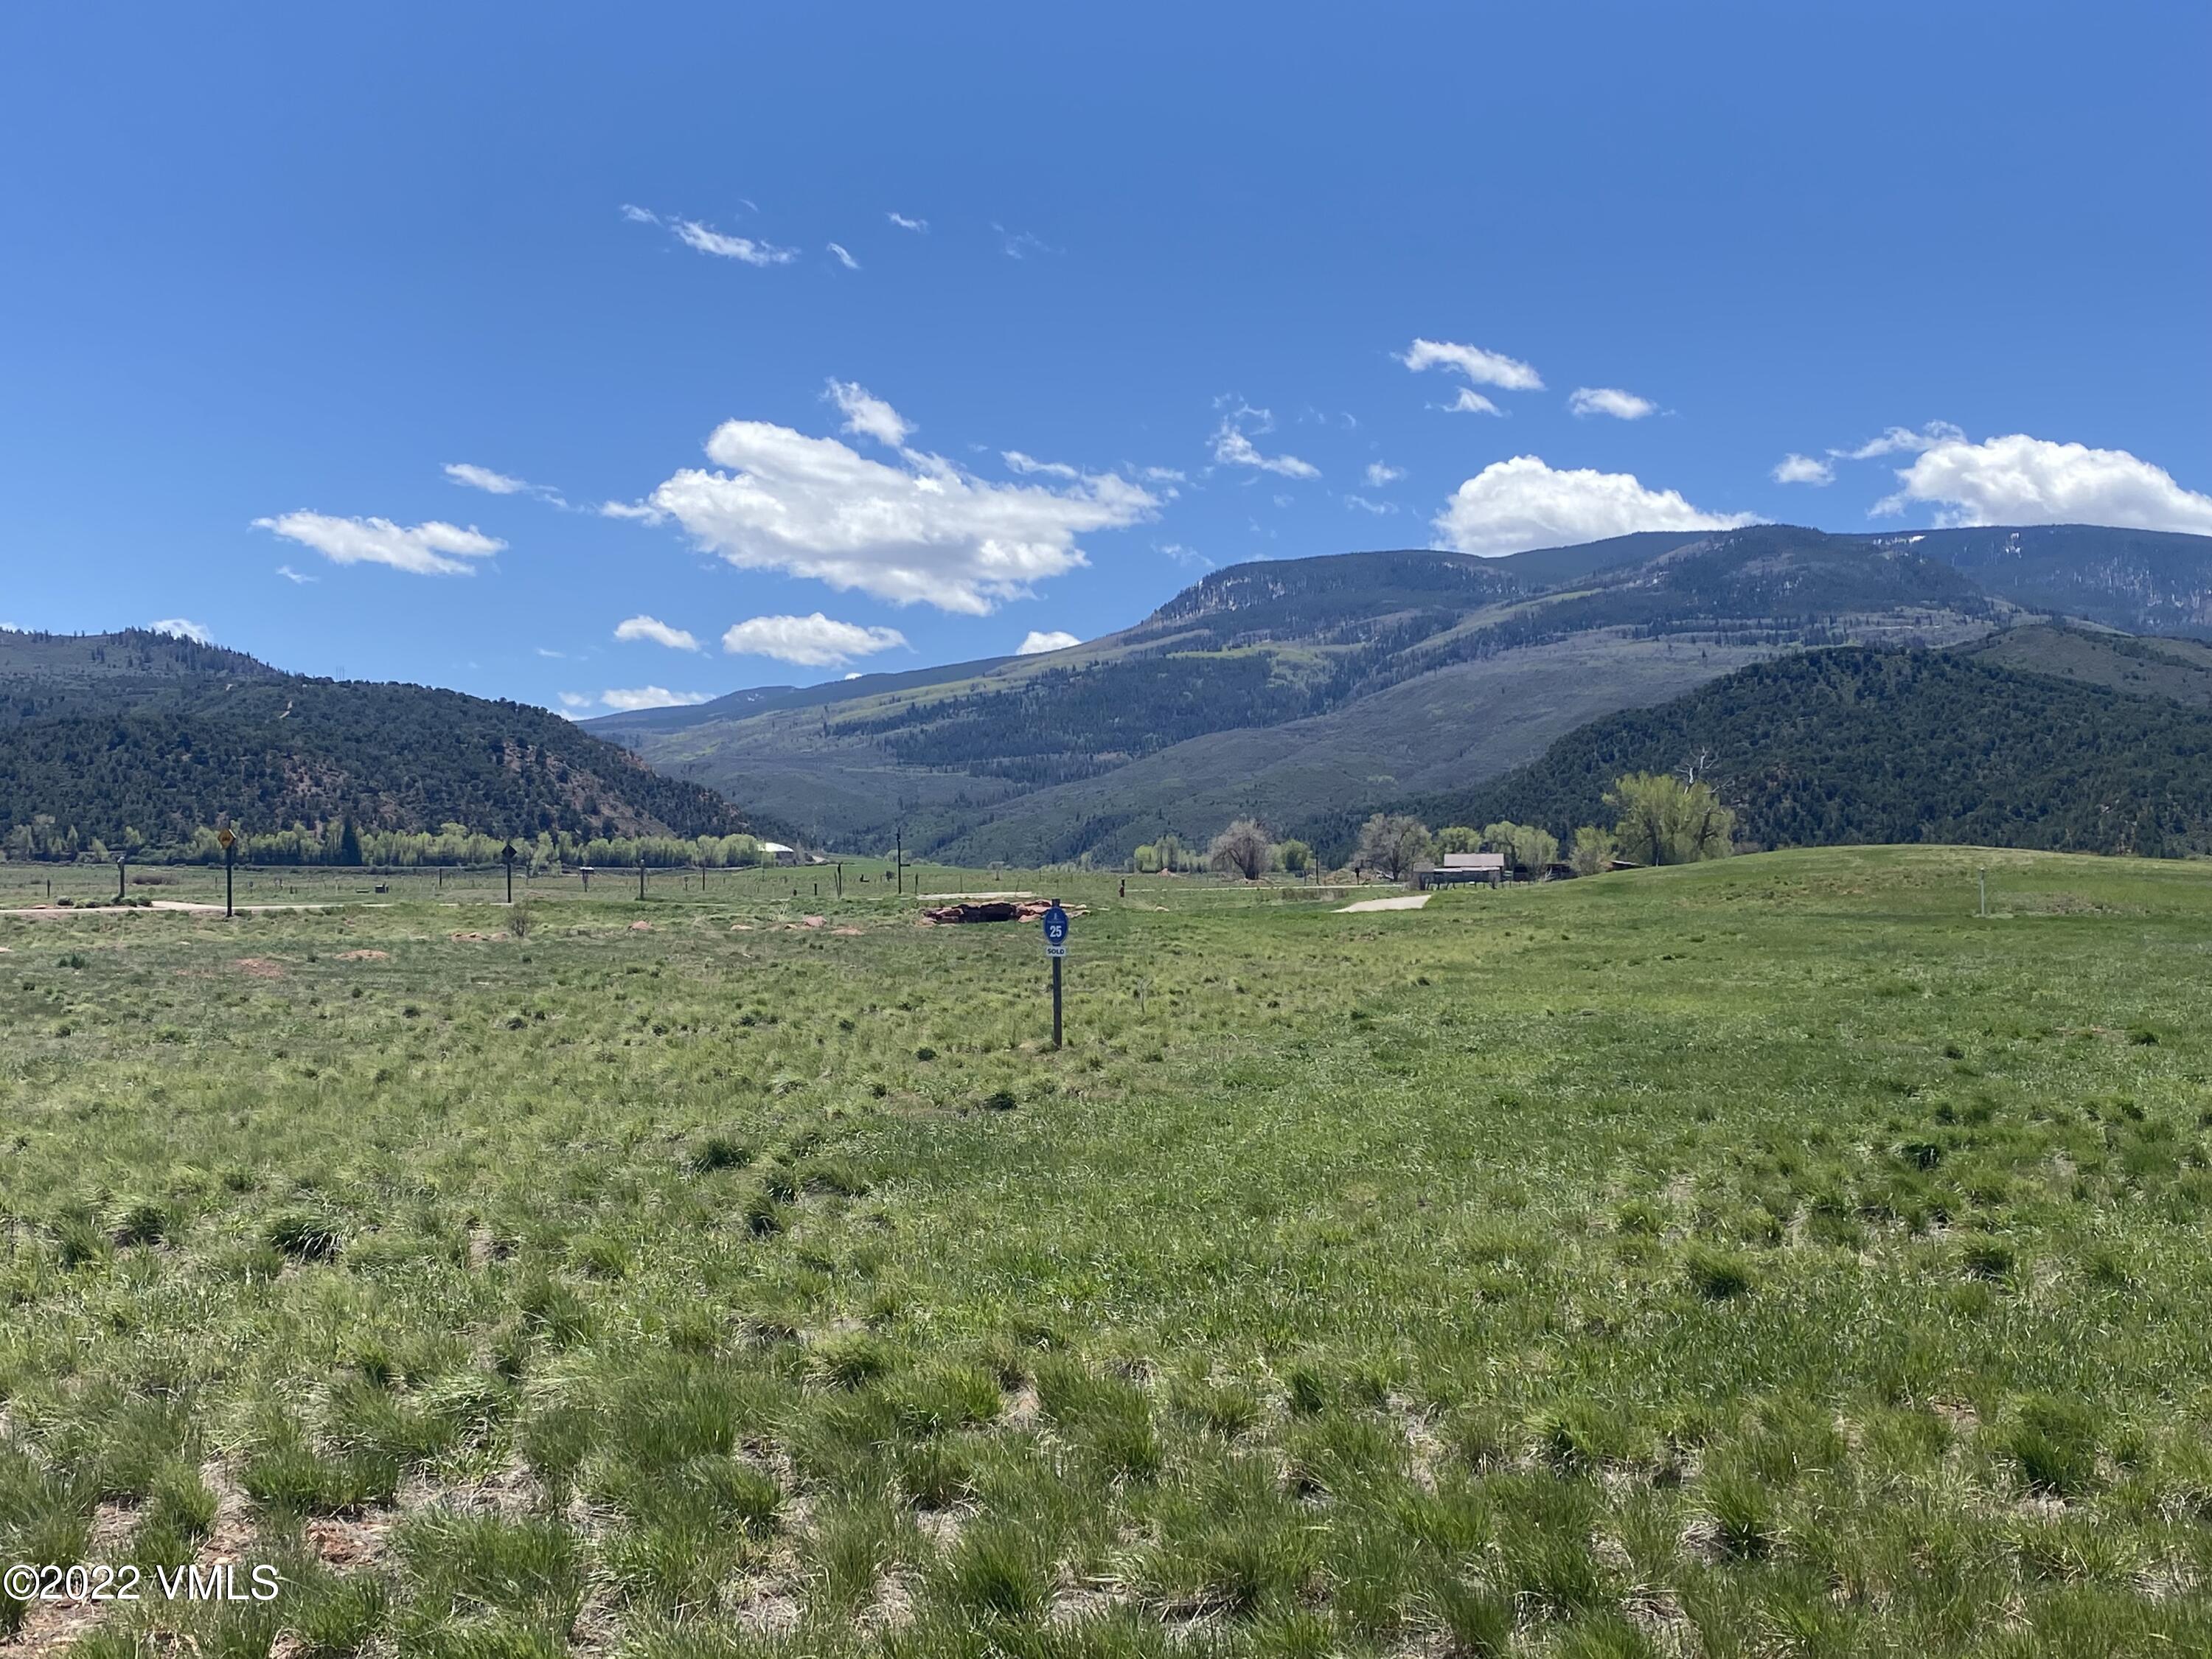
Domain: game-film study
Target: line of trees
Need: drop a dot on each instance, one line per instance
(345, 844)
(1658, 818)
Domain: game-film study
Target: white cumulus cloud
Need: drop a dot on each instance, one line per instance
(179, 628)
(1512, 506)
(1380, 473)
(1037, 641)
(645, 696)
(652, 627)
(867, 416)
(575, 700)
(2018, 479)
(1609, 400)
(1482, 367)
(1794, 468)
(643, 511)
(921, 530)
(815, 641)
(433, 549)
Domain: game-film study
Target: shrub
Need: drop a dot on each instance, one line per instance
(1715, 1275)
(303, 1235)
(2054, 1441)
(720, 1151)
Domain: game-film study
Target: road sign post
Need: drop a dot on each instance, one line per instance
(506, 858)
(229, 844)
(1055, 947)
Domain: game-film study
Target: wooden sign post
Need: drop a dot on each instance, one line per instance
(229, 845)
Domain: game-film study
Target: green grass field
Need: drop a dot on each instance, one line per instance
(1762, 1258)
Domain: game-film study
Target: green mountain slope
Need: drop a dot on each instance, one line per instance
(2177, 669)
(107, 733)
(1859, 745)
(1287, 687)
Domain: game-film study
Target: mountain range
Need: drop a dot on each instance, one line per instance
(2044, 686)
(1299, 690)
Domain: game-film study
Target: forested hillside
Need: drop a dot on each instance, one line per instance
(108, 736)
(1883, 747)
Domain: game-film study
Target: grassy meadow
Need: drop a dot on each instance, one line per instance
(1762, 1258)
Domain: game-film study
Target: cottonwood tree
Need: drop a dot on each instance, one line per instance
(1243, 849)
(1458, 838)
(1593, 850)
(1392, 842)
(1663, 820)
(1293, 857)
(1526, 845)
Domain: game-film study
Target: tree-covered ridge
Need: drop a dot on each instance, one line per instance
(1866, 746)
(269, 752)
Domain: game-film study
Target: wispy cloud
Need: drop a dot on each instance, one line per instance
(867, 416)
(472, 477)
(843, 258)
(1380, 473)
(745, 249)
(642, 512)
(918, 226)
(1021, 244)
(1183, 556)
(180, 628)
(292, 575)
(1028, 465)
(694, 235)
(1609, 400)
(1233, 444)
(1794, 468)
(1469, 402)
(1481, 367)
(1904, 438)
(432, 548)
(1364, 505)
(652, 628)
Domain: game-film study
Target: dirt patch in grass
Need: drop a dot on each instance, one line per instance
(364, 955)
(260, 968)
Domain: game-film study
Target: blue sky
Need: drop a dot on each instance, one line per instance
(283, 290)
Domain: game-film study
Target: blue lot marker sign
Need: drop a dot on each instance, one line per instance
(1055, 947)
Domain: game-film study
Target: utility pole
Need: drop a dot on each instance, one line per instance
(898, 856)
